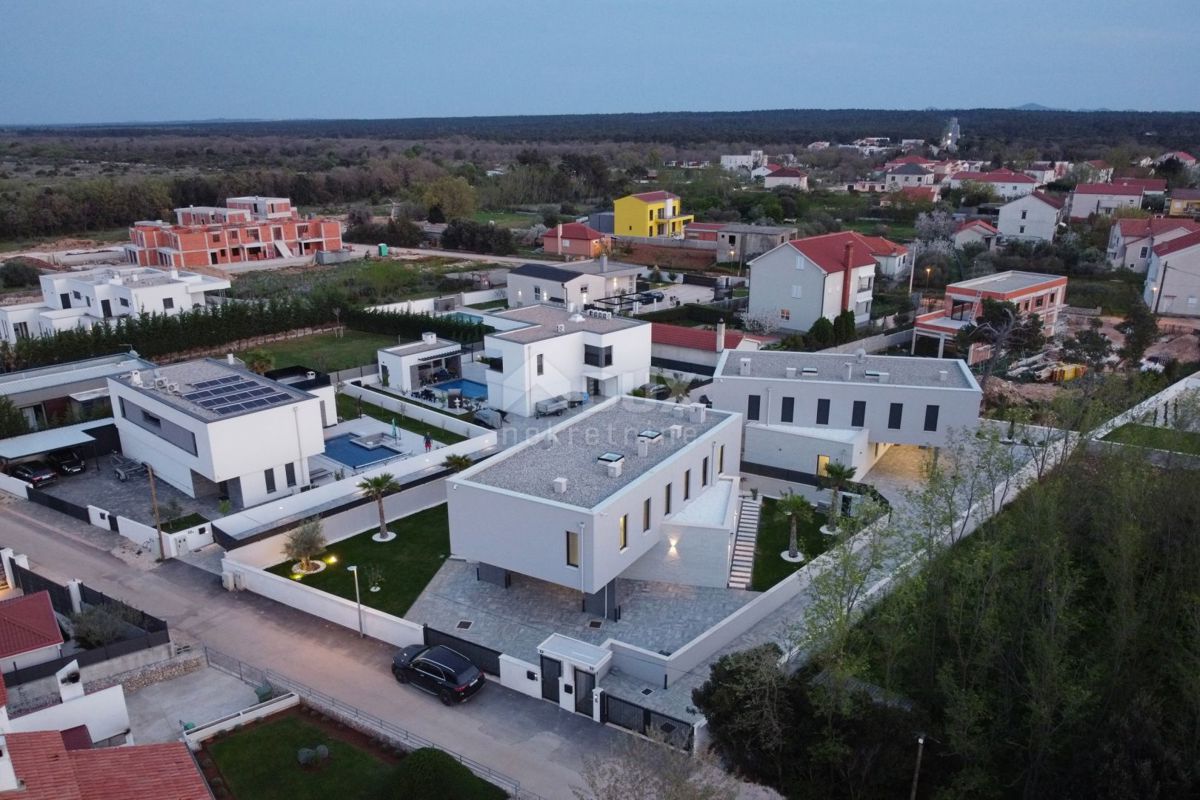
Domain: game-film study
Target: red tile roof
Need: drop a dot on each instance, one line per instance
(920, 161)
(1146, 184)
(884, 247)
(829, 250)
(978, 223)
(655, 197)
(1050, 200)
(141, 772)
(1154, 226)
(1175, 245)
(1179, 155)
(28, 623)
(574, 230)
(995, 176)
(788, 172)
(1109, 188)
(692, 338)
(929, 193)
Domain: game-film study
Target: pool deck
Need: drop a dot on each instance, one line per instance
(409, 442)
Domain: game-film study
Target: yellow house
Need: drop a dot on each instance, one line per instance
(649, 214)
(1185, 203)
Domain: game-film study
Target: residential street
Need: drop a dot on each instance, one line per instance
(530, 741)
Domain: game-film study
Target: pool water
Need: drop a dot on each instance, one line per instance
(464, 318)
(344, 451)
(471, 389)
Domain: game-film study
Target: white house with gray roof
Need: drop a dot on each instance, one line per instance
(804, 410)
(74, 390)
(578, 283)
(630, 488)
(548, 351)
(212, 428)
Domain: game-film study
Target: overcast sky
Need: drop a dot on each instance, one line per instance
(65, 61)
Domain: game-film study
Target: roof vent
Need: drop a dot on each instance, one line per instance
(861, 355)
(310, 375)
(561, 327)
(560, 485)
(808, 371)
(790, 372)
(942, 375)
(849, 369)
(643, 448)
(549, 440)
(613, 468)
(744, 367)
(429, 337)
(675, 431)
(229, 359)
(135, 377)
(699, 412)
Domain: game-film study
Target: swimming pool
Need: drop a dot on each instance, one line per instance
(464, 318)
(345, 451)
(471, 389)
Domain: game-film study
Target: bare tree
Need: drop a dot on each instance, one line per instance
(641, 770)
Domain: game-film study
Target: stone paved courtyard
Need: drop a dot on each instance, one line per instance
(657, 616)
(98, 486)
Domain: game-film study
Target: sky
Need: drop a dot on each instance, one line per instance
(83, 61)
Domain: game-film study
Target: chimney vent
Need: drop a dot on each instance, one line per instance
(560, 485)
(861, 355)
(744, 369)
(849, 369)
(675, 431)
(550, 440)
(643, 448)
(699, 412)
(310, 375)
(942, 375)
(613, 468)
(429, 337)
(135, 377)
(229, 359)
(790, 372)
(721, 335)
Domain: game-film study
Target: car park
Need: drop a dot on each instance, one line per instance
(438, 670)
(66, 462)
(36, 473)
(653, 296)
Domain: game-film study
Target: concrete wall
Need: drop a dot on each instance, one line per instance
(513, 675)
(141, 535)
(430, 305)
(202, 733)
(31, 658)
(873, 344)
(362, 388)
(14, 486)
(797, 448)
(103, 712)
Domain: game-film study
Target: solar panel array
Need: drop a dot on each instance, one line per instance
(234, 393)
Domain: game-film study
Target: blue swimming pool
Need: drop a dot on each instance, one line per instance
(464, 318)
(471, 389)
(344, 451)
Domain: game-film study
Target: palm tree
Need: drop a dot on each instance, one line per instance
(796, 511)
(305, 543)
(377, 488)
(259, 361)
(837, 475)
(457, 462)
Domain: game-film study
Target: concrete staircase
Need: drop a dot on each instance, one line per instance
(743, 543)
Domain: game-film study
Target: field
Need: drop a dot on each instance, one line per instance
(406, 564)
(327, 352)
(506, 219)
(368, 282)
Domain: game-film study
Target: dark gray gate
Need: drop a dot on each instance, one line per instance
(585, 682)
(639, 719)
(58, 504)
(485, 658)
(551, 672)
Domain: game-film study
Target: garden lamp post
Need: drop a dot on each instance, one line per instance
(357, 600)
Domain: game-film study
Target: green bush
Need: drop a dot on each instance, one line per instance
(429, 774)
(18, 272)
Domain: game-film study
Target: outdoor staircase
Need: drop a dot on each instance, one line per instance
(743, 543)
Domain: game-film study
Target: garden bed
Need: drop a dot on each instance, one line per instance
(183, 523)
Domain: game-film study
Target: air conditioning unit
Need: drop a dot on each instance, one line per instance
(173, 388)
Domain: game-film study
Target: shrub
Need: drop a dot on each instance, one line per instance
(18, 272)
(98, 626)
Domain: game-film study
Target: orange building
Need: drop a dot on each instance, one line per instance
(245, 229)
(575, 240)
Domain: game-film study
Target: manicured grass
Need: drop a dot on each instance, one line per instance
(489, 305)
(769, 568)
(183, 523)
(327, 352)
(408, 562)
(1157, 438)
(259, 763)
(348, 408)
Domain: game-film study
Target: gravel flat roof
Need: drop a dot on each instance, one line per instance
(1012, 281)
(571, 450)
(901, 370)
(544, 321)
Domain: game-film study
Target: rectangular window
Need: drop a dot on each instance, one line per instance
(289, 473)
(797, 292)
(822, 466)
(623, 532)
(721, 460)
(1145, 250)
(572, 548)
(895, 415)
(646, 515)
(788, 411)
(269, 476)
(1024, 214)
(704, 472)
(785, 314)
(125, 302)
(1041, 301)
(1022, 229)
(595, 356)
(76, 295)
(667, 499)
(687, 485)
(752, 404)
(858, 414)
(823, 411)
(541, 364)
(168, 304)
(151, 420)
(931, 418)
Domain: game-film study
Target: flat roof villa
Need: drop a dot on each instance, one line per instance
(804, 410)
(604, 495)
(211, 427)
(411, 365)
(76, 389)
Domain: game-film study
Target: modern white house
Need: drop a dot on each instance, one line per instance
(804, 410)
(580, 282)
(1103, 199)
(82, 299)
(211, 428)
(1173, 277)
(1130, 241)
(74, 390)
(798, 282)
(411, 365)
(550, 351)
(1033, 217)
(632, 487)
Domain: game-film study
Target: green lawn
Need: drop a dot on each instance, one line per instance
(259, 763)
(183, 523)
(348, 408)
(1157, 438)
(407, 562)
(327, 352)
(769, 568)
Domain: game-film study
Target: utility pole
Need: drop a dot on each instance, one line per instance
(162, 546)
(917, 772)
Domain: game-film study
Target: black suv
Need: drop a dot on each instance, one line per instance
(37, 473)
(66, 462)
(438, 670)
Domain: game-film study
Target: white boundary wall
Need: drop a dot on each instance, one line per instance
(428, 305)
(202, 733)
(14, 486)
(403, 409)
(514, 674)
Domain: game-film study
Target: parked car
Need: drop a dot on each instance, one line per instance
(656, 391)
(653, 296)
(67, 462)
(438, 670)
(37, 473)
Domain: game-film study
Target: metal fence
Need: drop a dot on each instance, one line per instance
(485, 658)
(356, 718)
(29, 582)
(647, 722)
(58, 504)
